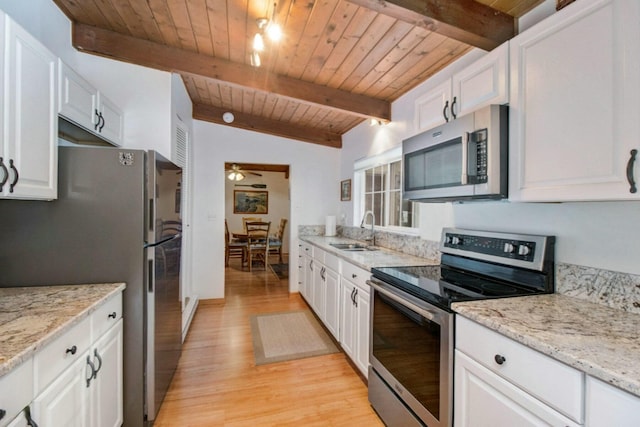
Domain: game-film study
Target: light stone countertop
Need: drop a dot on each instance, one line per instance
(32, 317)
(381, 257)
(601, 341)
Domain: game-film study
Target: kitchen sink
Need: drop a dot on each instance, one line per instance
(353, 247)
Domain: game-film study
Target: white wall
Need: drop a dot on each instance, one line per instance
(314, 184)
(603, 234)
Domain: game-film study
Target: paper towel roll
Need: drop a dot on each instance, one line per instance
(330, 226)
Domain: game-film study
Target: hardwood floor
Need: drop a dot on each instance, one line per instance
(218, 384)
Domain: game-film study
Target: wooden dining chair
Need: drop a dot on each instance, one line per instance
(246, 219)
(275, 242)
(233, 248)
(258, 242)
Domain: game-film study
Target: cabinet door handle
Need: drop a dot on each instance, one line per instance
(453, 111)
(311, 265)
(444, 111)
(103, 122)
(630, 178)
(353, 291)
(2, 413)
(355, 296)
(92, 375)
(15, 180)
(72, 350)
(27, 416)
(97, 356)
(500, 359)
(97, 120)
(5, 171)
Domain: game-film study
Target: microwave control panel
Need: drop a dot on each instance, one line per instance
(477, 157)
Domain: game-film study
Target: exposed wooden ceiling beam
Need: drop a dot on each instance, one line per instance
(467, 21)
(260, 124)
(155, 55)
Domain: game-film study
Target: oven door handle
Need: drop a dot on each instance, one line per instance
(408, 304)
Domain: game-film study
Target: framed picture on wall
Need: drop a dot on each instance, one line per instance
(345, 190)
(250, 202)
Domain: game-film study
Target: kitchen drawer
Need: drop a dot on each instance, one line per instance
(306, 248)
(547, 379)
(106, 316)
(16, 391)
(53, 359)
(355, 274)
(332, 262)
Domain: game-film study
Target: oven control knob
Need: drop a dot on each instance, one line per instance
(509, 248)
(524, 250)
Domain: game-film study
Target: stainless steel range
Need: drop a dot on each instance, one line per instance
(412, 334)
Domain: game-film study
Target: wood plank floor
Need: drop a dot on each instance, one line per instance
(218, 384)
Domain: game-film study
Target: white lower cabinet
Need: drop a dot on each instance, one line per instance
(502, 383)
(74, 381)
(485, 399)
(608, 406)
(65, 402)
(355, 323)
(107, 387)
(326, 289)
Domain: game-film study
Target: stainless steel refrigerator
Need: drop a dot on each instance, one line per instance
(116, 219)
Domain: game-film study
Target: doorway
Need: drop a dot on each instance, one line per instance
(263, 191)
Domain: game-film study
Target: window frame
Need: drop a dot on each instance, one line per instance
(358, 191)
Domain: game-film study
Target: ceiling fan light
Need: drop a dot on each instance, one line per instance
(258, 42)
(235, 176)
(274, 32)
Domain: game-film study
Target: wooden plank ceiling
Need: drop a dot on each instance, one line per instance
(338, 63)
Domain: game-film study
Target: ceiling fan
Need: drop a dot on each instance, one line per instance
(237, 174)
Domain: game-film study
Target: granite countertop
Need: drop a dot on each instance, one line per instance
(381, 257)
(32, 317)
(601, 341)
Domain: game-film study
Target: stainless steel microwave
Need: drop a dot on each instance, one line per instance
(464, 159)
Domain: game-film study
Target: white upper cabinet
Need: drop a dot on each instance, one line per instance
(575, 103)
(78, 100)
(29, 142)
(482, 83)
(87, 107)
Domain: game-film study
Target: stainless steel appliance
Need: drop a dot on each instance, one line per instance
(412, 335)
(116, 220)
(464, 159)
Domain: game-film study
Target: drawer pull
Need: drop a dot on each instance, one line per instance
(499, 359)
(112, 315)
(353, 276)
(72, 350)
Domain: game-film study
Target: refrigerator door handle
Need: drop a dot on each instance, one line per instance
(150, 271)
(165, 240)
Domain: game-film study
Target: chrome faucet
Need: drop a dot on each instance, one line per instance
(372, 239)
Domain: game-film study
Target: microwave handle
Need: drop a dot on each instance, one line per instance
(464, 179)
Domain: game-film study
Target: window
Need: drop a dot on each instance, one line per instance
(378, 188)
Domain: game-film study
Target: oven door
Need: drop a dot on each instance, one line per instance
(411, 350)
